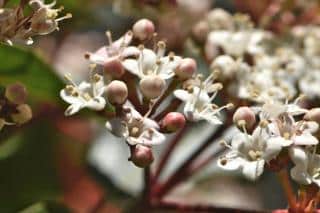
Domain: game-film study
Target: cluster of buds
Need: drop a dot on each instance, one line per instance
(15, 26)
(13, 109)
(134, 76)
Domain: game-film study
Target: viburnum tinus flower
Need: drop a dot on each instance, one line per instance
(45, 18)
(135, 128)
(115, 50)
(307, 166)
(150, 63)
(17, 27)
(249, 153)
(198, 101)
(153, 69)
(84, 95)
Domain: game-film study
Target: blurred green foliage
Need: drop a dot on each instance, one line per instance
(22, 65)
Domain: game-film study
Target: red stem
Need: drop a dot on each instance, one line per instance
(182, 171)
(167, 153)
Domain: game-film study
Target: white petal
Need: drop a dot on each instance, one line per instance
(97, 103)
(231, 165)
(299, 157)
(281, 141)
(116, 127)
(130, 51)
(148, 59)
(183, 95)
(300, 175)
(149, 123)
(273, 147)
(72, 109)
(69, 98)
(305, 139)
(252, 170)
(132, 66)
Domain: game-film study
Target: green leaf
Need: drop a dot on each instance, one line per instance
(45, 207)
(30, 175)
(22, 65)
(36, 208)
(10, 146)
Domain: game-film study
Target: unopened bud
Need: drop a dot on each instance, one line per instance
(313, 115)
(143, 29)
(186, 68)
(141, 156)
(23, 115)
(117, 92)
(152, 86)
(244, 116)
(114, 68)
(225, 65)
(173, 121)
(16, 93)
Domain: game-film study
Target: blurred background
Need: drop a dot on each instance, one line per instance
(59, 164)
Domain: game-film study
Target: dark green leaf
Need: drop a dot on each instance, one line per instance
(20, 65)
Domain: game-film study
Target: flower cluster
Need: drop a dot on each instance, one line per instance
(131, 78)
(15, 26)
(256, 64)
(13, 109)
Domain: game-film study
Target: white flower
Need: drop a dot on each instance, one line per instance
(307, 166)
(198, 104)
(272, 109)
(45, 19)
(310, 84)
(249, 153)
(84, 95)
(151, 63)
(118, 49)
(236, 43)
(136, 129)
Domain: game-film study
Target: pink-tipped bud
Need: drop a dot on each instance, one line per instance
(114, 68)
(117, 92)
(152, 86)
(143, 29)
(141, 156)
(16, 93)
(23, 115)
(173, 121)
(244, 116)
(313, 115)
(186, 68)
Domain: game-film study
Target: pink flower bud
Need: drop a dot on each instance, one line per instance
(141, 156)
(186, 68)
(152, 86)
(143, 29)
(244, 116)
(173, 121)
(313, 115)
(114, 68)
(117, 92)
(23, 115)
(16, 93)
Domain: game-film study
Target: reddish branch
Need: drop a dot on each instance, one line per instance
(167, 152)
(183, 171)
